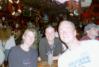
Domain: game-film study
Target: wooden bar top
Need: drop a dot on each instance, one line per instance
(45, 64)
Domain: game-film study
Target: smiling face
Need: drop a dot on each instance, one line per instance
(28, 38)
(67, 31)
(50, 33)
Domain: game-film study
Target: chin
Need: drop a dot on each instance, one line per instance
(29, 44)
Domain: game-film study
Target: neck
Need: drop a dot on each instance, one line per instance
(51, 42)
(24, 48)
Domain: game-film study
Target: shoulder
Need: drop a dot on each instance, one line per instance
(92, 48)
(85, 37)
(34, 52)
(57, 41)
(43, 42)
(14, 49)
(90, 42)
(13, 52)
(43, 39)
(91, 45)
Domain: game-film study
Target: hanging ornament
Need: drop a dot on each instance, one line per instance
(14, 7)
(76, 13)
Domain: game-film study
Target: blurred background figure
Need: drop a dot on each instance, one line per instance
(7, 40)
(2, 57)
(91, 32)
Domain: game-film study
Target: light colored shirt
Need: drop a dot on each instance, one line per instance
(86, 55)
(7, 45)
(2, 57)
(10, 43)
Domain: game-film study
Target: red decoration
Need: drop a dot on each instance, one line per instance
(14, 7)
(92, 12)
(73, 5)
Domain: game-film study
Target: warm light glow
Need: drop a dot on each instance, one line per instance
(61, 1)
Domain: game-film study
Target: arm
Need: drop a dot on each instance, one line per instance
(42, 50)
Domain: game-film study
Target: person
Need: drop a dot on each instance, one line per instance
(64, 46)
(10, 43)
(23, 55)
(2, 57)
(97, 38)
(7, 41)
(79, 53)
(91, 32)
(50, 44)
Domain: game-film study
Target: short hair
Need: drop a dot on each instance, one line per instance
(67, 22)
(48, 26)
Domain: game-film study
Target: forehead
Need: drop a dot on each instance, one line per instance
(28, 33)
(66, 26)
(49, 29)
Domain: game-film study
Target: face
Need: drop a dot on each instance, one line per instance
(29, 38)
(93, 32)
(66, 32)
(50, 33)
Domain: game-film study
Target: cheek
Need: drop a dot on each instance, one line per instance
(51, 35)
(94, 32)
(32, 39)
(66, 36)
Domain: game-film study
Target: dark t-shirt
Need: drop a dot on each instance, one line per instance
(20, 58)
(44, 48)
